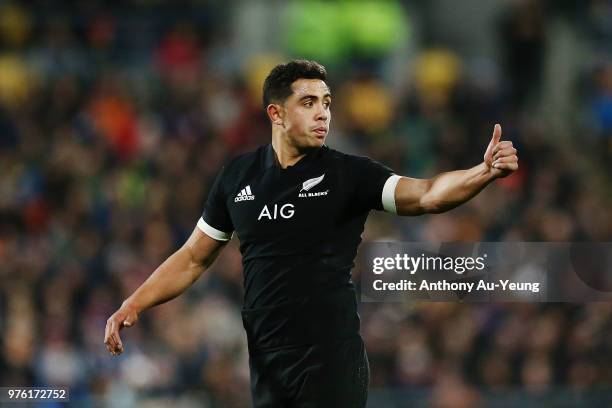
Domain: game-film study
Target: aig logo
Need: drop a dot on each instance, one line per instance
(285, 211)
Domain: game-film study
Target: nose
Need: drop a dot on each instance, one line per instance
(322, 113)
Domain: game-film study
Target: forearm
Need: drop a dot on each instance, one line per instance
(448, 190)
(169, 280)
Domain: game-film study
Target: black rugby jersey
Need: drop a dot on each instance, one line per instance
(299, 229)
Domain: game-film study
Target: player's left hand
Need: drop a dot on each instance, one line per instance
(500, 158)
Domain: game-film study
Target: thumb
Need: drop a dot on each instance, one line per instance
(497, 132)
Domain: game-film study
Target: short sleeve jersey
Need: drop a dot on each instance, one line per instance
(299, 227)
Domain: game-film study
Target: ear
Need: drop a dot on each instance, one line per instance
(275, 113)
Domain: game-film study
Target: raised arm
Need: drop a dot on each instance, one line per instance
(169, 280)
(448, 190)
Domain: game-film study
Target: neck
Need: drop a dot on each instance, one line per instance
(286, 154)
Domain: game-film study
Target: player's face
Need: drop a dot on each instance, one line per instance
(307, 113)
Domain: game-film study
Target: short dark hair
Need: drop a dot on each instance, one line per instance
(277, 86)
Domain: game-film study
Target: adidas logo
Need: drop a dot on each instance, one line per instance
(244, 195)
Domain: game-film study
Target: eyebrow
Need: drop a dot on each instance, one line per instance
(327, 95)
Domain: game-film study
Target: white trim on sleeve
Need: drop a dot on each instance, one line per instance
(213, 232)
(388, 194)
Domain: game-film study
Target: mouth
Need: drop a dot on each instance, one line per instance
(320, 132)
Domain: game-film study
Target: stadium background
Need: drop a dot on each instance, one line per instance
(115, 117)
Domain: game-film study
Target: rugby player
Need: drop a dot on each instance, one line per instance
(298, 209)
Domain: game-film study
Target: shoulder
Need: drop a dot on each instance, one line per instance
(236, 169)
(361, 169)
(349, 160)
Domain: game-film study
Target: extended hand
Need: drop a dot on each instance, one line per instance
(500, 157)
(124, 317)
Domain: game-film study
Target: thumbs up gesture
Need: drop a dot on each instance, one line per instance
(500, 157)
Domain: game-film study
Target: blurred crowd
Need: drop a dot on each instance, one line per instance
(114, 122)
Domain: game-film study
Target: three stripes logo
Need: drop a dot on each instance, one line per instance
(245, 195)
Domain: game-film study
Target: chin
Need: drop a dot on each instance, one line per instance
(318, 141)
(312, 142)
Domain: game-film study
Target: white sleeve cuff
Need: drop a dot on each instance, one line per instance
(388, 194)
(213, 232)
